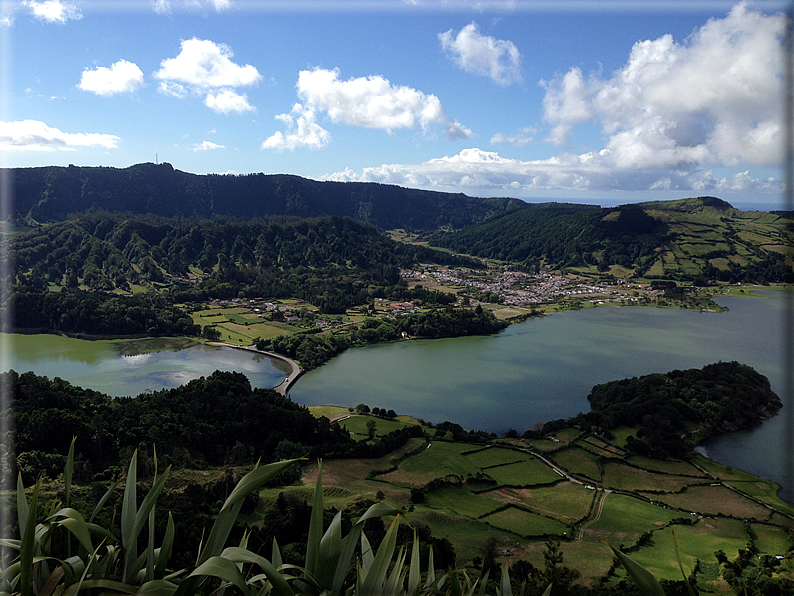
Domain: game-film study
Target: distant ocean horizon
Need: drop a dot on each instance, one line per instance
(742, 205)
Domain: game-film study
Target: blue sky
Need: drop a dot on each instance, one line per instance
(590, 101)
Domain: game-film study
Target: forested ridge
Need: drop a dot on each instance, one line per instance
(53, 193)
(331, 262)
(701, 239)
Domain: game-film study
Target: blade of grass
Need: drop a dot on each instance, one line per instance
(642, 577)
(689, 587)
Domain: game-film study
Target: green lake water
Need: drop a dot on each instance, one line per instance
(131, 367)
(538, 370)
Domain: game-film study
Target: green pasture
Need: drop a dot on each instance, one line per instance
(328, 411)
(525, 523)
(601, 447)
(591, 559)
(721, 471)
(562, 438)
(234, 334)
(694, 542)
(771, 540)
(712, 500)
(624, 519)
(782, 520)
(358, 424)
(565, 501)
(623, 477)
(221, 311)
(208, 319)
(665, 466)
(622, 433)
(765, 491)
(493, 456)
(439, 459)
(266, 330)
(461, 501)
(524, 473)
(578, 461)
(720, 263)
(469, 536)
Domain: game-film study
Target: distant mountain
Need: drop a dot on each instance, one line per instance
(702, 238)
(48, 194)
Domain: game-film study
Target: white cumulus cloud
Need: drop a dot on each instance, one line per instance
(371, 102)
(205, 64)
(302, 131)
(483, 55)
(712, 99)
(475, 170)
(521, 139)
(34, 135)
(206, 146)
(205, 67)
(455, 130)
(121, 77)
(54, 11)
(227, 100)
(165, 6)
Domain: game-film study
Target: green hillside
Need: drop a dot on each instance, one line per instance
(704, 239)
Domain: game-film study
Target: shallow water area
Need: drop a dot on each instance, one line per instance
(130, 367)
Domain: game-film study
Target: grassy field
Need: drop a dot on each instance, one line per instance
(624, 518)
(358, 425)
(329, 412)
(665, 466)
(438, 460)
(487, 458)
(698, 541)
(715, 500)
(525, 473)
(525, 523)
(770, 540)
(578, 461)
(565, 501)
(461, 502)
(623, 477)
(520, 508)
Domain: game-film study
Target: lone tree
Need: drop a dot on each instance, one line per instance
(372, 426)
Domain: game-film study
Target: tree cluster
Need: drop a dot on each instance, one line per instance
(209, 421)
(719, 398)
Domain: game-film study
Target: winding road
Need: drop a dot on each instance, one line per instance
(282, 387)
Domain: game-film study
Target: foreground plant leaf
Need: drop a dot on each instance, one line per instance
(642, 577)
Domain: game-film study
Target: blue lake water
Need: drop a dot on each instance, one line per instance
(535, 371)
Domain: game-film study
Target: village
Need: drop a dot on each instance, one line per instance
(522, 289)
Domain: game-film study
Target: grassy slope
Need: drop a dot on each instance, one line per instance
(521, 506)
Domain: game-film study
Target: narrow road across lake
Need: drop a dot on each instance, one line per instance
(282, 387)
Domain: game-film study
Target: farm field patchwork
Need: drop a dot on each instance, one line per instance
(623, 519)
(665, 466)
(578, 461)
(525, 523)
(525, 473)
(461, 501)
(565, 501)
(624, 477)
(437, 460)
(715, 500)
